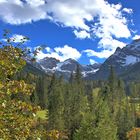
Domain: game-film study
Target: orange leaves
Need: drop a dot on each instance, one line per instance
(17, 119)
(24, 107)
(56, 135)
(1, 85)
(138, 114)
(14, 87)
(135, 132)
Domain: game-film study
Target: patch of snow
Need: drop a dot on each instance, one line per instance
(134, 45)
(85, 73)
(47, 69)
(59, 65)
(66, 62)
(130, 60)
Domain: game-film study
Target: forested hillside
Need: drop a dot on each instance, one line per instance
(88, 110)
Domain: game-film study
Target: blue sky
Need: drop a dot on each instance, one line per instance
(86, 30)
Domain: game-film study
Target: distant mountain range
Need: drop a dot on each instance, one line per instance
(126, 62)
(52, 65)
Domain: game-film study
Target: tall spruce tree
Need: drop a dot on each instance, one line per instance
(75, 103)
(55, 105)
(112, 83)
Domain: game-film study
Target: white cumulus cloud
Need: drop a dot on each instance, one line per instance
(88, 18)
(69, 13)
(109, 46)
(60, 53)
(110, 43)
(136, 37)
(128, 10)
(82, 34)
(18, 38)
(92, 61)
(17, 12)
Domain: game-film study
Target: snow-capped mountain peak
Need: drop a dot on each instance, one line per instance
(122, 60)
(65, 68)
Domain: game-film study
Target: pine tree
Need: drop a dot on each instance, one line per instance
(71, 79)
(112, 79)
(56, 105)
(112, 84)
(40, 91)
(75, 103)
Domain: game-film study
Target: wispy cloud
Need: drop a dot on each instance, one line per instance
(101, 54)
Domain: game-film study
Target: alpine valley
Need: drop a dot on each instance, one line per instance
(69, 70)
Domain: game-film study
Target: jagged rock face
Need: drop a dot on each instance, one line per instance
(68, 65)
(49, 63)
(122, 60)
(65, 68)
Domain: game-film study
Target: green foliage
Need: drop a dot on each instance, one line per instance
(16, 115)
(42, 114)
(105, 113)
(97, 124)
(75, 103)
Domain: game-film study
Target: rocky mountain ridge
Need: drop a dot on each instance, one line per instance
(65, 68)
(123, 60)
